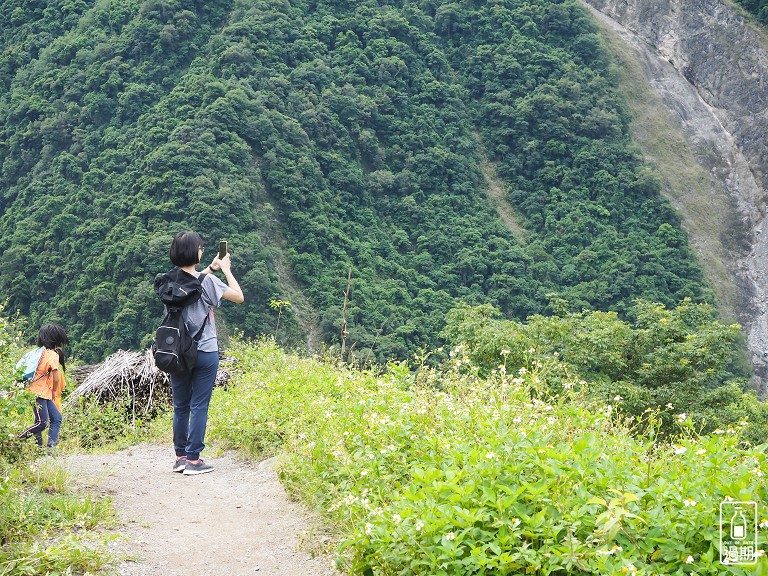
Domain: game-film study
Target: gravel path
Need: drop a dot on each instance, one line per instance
(234, 521)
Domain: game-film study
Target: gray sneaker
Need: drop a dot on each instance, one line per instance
(190, 469)
(178, 466)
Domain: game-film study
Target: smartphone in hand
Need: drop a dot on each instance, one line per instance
(222, 249)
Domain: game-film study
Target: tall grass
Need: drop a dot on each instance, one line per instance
(45, 527)
(441, 472)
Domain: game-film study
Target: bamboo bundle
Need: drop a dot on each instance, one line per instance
(130, 377)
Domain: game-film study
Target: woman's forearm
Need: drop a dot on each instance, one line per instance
(234, 293)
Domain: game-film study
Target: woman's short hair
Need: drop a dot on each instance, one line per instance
(185, 249)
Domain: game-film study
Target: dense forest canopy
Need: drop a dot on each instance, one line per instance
(325, 135)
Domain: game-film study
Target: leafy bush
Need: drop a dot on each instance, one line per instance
(674, 360)
(443, 472)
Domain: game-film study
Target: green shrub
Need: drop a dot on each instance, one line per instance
(674, 361)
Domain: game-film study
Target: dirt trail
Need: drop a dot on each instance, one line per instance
(234, 521)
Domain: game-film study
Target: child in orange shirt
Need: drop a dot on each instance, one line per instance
(47, 385)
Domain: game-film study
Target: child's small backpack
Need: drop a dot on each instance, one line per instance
(27, 365)
(174, 348)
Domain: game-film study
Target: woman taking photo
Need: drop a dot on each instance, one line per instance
(192, 390)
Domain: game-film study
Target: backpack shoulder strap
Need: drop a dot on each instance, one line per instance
(199, 334)
(43, 374)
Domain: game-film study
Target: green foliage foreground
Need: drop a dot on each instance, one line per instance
(444, 472)
(45, 527)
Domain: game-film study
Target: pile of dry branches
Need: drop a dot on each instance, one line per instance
(130, 378)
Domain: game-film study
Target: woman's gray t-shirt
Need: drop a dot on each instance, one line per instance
(195, 314)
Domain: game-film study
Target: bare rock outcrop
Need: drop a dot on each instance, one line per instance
(709, 67)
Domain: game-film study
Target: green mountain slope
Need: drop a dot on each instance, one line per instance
(334, 135)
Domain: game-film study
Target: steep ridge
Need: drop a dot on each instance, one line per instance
(708, 65)
(318, 137)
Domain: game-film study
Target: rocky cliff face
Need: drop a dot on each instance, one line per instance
(709, 68)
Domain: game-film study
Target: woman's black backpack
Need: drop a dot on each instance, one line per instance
(174, 348)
